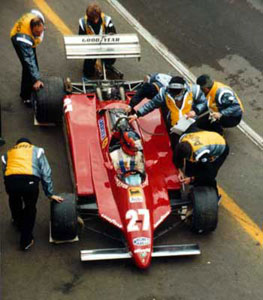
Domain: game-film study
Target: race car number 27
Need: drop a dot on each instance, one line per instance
(142, 215)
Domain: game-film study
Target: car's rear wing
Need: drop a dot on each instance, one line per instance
(102, 47)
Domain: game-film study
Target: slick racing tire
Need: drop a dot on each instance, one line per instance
(205, 209)
(48, 101)
(63, 217)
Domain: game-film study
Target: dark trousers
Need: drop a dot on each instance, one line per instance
(89, 66)
(205, 173)
(224, 122)
(26, 81)
(148, 90)
(23, 194)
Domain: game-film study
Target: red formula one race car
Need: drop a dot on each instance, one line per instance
(122, 172)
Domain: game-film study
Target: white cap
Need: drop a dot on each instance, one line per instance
(38, 14)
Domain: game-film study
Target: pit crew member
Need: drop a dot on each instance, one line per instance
(202, 154)
(95, 22)
(24, 166)
(26, 35)
(150, 88)
(179, 99)
(225, 106)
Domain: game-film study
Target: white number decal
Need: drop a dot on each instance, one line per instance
(133, 214)
(67, 105)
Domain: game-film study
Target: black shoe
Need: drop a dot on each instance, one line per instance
(27, 246)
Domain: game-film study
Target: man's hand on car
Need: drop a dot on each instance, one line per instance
(132, 118)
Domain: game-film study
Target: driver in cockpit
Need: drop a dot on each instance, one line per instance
(128, 159)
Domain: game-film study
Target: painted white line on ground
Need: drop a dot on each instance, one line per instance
(177, 64)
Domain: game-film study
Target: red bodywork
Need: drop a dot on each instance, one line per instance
(136, 211)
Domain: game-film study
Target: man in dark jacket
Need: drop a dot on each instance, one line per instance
(225, 107)
(150, 88)
(26, 35)
(201, 154)
(95, 22)
(24, 166)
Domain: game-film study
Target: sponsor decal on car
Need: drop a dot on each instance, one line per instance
(141, 241)
(67, 105)
(102, 129)
(135, 195)
(104, 143)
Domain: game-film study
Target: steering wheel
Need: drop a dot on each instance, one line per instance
(133, 172)
(118, 121)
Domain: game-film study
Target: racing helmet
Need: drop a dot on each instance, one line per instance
(177, 87)
(130, 142)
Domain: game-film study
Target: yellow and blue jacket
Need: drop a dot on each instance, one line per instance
(23, 39)
(106, 26)
(205, 145)
(221, 98)
(27, 159)
(193, 99)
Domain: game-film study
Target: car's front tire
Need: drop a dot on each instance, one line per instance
(63, 219)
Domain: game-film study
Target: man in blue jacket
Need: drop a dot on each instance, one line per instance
(24, 166)
(225, 107)
(26, 35)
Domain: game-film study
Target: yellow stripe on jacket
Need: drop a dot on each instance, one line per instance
(19, 160)
(203, 139)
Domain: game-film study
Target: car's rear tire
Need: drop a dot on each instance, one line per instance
(48, 101)
(63, 217)
(205, 209)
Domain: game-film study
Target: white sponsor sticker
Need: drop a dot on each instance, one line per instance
(141, 241)
(136, 199)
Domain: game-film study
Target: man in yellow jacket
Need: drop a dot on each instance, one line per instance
(24, 166)
(26, 35)
(225, 107)
(201, 154)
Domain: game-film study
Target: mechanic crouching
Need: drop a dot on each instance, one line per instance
(26, 35)
(201, 154)
(24, 166)
(95, 22)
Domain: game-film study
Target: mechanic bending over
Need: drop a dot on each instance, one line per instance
(150, 88)
(95, 22)
(201, 154)
(26, 35)
(128, 157)
(24, 166)
(225, 106)
(180, 99)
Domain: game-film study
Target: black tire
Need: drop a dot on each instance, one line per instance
(48, 101)
(64, 219)
(205, 209)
